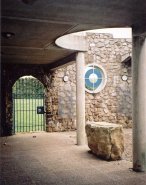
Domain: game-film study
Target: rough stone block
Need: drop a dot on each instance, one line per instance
(106, 140)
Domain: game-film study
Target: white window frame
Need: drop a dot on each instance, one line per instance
(104, 80)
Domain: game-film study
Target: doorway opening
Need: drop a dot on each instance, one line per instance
(28, 105)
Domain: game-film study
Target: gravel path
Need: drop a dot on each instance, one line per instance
(127, 155)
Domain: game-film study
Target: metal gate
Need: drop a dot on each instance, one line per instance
(28, 105)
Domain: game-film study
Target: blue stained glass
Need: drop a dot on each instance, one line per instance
(98, 72)
(89, 72)
(97, 84)
(93, 78)
(89, 85)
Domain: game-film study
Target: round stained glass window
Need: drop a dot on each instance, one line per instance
(95, 78)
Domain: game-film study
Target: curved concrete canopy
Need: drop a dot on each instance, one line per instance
(72, 42)
(36, 24)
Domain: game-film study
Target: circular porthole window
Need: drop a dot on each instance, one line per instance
(95, 78)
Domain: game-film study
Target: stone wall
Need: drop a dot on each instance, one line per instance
(62, 101)
(113, 103)
(10, 74)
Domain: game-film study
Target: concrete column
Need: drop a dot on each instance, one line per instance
(139, 103)
(80, 98)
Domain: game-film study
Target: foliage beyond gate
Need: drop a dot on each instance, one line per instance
(28, 94)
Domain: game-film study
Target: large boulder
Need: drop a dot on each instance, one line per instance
(106, 140)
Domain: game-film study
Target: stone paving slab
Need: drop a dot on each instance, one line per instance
(55, 159)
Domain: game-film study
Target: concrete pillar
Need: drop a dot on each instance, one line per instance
(139, 103)
(80, 98)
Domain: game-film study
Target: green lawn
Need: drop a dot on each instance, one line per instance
(25, 115)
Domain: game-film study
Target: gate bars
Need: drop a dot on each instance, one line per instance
(28, 94)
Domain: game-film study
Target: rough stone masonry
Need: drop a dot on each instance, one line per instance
(112, 104)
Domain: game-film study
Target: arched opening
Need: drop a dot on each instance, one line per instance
(28, 105)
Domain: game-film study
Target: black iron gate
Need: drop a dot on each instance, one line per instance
(28, 105)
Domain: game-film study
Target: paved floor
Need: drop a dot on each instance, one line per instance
(54, 159)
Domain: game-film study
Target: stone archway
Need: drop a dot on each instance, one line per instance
(11, 73)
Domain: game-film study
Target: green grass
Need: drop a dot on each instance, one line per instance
(25, 115)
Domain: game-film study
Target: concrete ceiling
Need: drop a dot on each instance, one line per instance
(36, 24)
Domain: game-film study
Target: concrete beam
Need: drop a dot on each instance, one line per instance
(62, 62)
